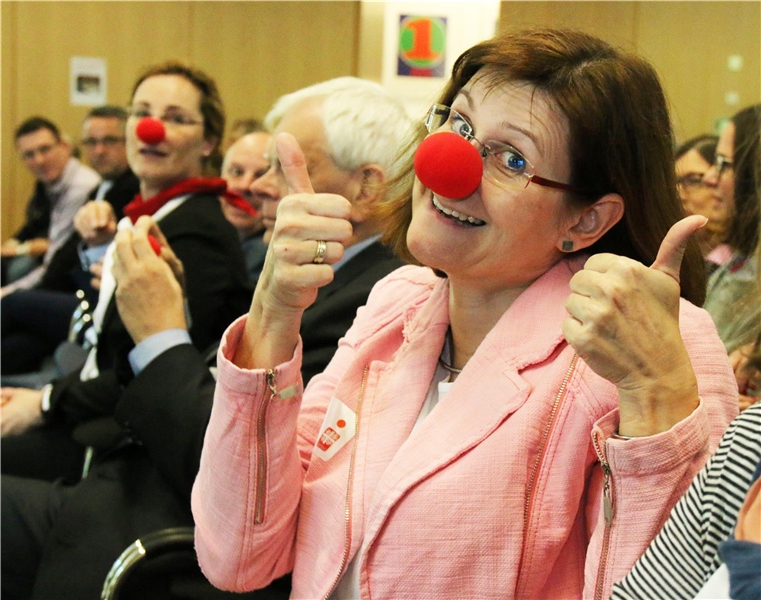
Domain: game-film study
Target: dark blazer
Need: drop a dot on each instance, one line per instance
(145, 484)
(37, 215)
(335, 307)
(65, 274)
(217, 292)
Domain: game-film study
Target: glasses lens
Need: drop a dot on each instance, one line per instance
(437, 117)
(693, 180)
(504, 165)
(507, 167)
(722, 164)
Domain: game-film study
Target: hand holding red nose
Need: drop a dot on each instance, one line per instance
(150, 130)
(449, 165)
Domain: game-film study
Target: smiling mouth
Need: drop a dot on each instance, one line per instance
(456, 216)
(151, 152)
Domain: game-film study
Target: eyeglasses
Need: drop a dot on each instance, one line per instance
(43, 150)
(172, 119)
(503, 164)
(109, 141)
(690, 181)
(721, 164)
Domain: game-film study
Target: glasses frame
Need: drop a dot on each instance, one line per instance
(721, 164)
(109, 141)
(165, 119)
(437, 110)
(691, 180)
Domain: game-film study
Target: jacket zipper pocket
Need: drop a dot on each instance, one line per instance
(347, 507)
(261, 450)
(529, 498)
(609, 511)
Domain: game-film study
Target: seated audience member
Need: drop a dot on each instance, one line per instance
(244, 162)
(62, 185)
(468, 438)
(176, 122)
(103, 140)
(711, 545)
(59, 540)
(349, 129)
(693, 158)
(35, 321)
(733, 296)
(241, 127)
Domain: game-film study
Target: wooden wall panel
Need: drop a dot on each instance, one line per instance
(612, 21)
(687, 42)
(256, 51)
(12, 179)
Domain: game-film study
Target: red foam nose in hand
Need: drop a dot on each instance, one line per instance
(150, 130)
(448, 165)
(154, 244)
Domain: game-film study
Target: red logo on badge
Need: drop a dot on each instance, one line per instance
(330, 436)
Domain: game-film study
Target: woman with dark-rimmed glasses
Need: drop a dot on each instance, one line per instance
(733, 298)
(515, 416)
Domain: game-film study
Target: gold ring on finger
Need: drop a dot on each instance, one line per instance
(319, 254)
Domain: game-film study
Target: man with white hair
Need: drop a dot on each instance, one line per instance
(350, 131)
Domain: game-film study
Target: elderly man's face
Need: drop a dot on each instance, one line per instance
(304, 122)
(246, 161)
(44, 155)
(103, 146)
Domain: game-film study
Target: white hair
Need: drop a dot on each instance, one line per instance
(364, 123)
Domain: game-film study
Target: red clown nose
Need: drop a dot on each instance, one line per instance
(150, 130)
(448, 165)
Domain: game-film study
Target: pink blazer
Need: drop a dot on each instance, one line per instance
(511, 487)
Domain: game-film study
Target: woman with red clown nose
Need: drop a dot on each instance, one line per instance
(513, 416)
(176, 122)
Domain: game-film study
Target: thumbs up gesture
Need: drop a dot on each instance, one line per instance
(624, 323)
(310, 232)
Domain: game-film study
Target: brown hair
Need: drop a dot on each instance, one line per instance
(704, 144)
(33, 124)
(620, 137)
(212, 109)
(743, 229)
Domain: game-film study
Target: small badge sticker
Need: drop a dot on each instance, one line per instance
(337, 429)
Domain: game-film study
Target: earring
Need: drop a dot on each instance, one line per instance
(567, 245)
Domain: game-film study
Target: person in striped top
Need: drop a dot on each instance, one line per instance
(700, 534)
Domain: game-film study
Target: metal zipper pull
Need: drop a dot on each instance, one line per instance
(271, 384)
(607, 490)
(607, 497)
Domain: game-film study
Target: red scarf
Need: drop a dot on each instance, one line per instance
(195, 185)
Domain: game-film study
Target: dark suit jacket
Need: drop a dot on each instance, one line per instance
(145, 484)
(217, 292)
(37, 215)
(64, 274)
(333, 312)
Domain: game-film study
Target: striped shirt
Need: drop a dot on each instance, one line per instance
(685, 553)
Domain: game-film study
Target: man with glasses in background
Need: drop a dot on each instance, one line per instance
(104, 149)
(62, 185)
(36, 320)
